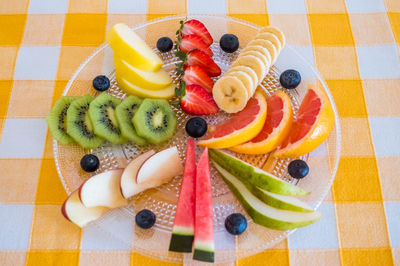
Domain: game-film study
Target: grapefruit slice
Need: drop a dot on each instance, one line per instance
(276, 127)
(239, 128)
(314, 121)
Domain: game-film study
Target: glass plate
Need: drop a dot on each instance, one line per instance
(118, 227)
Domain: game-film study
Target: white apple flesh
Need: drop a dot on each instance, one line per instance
(74, 211)
(160, 167)
(103, 190)
(129, 187)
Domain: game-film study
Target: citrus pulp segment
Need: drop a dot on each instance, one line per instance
(315, 119)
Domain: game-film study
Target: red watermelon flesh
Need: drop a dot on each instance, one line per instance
(204, 225)
(183, 230)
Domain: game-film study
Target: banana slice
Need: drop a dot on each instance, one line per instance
(246, 69)
(260, 49)
(257, 54)
(245, 79)
(230, 94)
(268, 45)
(270, 37)
(253, 62)
(278, 33)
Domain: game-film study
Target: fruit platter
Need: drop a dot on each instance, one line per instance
(195, 138)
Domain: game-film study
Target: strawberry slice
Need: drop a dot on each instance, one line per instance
(192, 41)
(196, 75)
(196, 27)
(197, 101)
(201, 59)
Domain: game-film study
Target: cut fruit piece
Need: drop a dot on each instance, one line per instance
(160, 167)
(254, 175)
(79, 125)
(260, 49)
(183, 229)
(230, 94)
(103, 190)
(130, 47)
(277, 32)
(315, 119)
(245, 79)
(240, 127)
(264, 214)
(129, 186)
(246, 69)
(276, 128)
(254, 62)
(191, 42)
(155, 121)
(259, 55)
(204, 224)
(281, 202)
(198, 76)
(57, 119)
(74, 211)
(124, 113)
(102, 115)
(194, 26)
(270, 37)
(132, 89)
(268, 45)
(148, 80)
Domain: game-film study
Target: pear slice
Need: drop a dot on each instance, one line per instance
(149, 80)
(255, 176)
(274, 200)
(263, 214)
(129, 88)
(133, 49)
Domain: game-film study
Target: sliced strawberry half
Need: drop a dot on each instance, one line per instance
(196, 75)
(197, 101)
(192, 41)
(196, 27)
(201, 59)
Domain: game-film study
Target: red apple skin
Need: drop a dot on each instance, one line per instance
(80, 190)
(63, 210)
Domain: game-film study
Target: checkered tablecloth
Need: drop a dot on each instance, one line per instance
(353, 43)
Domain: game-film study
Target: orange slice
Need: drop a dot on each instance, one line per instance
(239, 128)
(276, 127)
(314, 121)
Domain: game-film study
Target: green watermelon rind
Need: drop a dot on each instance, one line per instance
(181, 242)
(203, 255)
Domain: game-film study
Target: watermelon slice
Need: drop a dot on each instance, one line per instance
(204, 225)
(183, 230)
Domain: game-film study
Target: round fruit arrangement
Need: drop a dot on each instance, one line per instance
(195, 139)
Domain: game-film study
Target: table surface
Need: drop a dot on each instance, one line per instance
(353, 43)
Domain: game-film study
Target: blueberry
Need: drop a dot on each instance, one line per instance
(101, 83)
(90, 163)
(298, 169)
(229, 43)
(235, 223)
(145, 219)
(290, 79)
(196, 127)
(164, 44)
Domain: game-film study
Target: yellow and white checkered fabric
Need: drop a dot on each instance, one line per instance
(353, 43)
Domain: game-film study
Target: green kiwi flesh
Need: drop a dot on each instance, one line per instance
(57, 122)
(79, 125)
(155, 120)
(124, 113)
(105, 123)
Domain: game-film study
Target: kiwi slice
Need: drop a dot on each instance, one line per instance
(155, 120)
(102, 114)
(79, 125)
(125, 112)
(57, 122)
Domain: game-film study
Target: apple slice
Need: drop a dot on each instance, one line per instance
(103, 190)
(129, 187)
(160, 167)
(74, 211)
